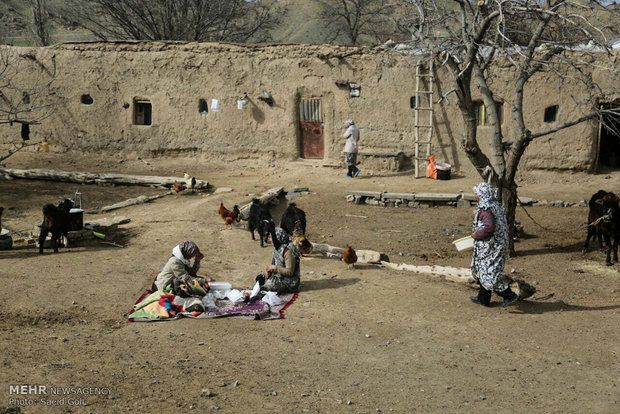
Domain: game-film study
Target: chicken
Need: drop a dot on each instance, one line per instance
(177, 187)
(349, 256)
(303, 244)
(229, 216)
(190, 181)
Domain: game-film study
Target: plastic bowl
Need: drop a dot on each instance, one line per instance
(220, 286)
(464, 243)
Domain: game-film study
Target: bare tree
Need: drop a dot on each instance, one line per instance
(356, 20)
(532, 36)
(41, 22)
(188, 20)
(25, 97)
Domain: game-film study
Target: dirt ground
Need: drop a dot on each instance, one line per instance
(356, 340)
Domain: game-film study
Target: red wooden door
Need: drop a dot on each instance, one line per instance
(311, 124)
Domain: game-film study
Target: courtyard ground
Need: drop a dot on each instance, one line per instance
(356, 340)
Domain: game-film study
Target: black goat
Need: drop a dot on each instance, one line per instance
(260, 220)
(294, 222)
(55, 221)
(610, 223)
(293, 218)
(595, 225)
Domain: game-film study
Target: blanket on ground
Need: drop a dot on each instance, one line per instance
(151, 306)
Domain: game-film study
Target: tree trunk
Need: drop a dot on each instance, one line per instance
(509, 200)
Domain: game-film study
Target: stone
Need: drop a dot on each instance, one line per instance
(372, 202)
(350, 198)
(582, 203)
(206, 393)
(527, 201)
(222, 190)
(558, 203)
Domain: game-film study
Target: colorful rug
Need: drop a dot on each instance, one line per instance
(255, 310)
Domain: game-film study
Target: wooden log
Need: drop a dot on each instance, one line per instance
(97, 178)
(363, 256)
(265, 198)
(132, 202)
(454, 274)
(106, 222)
(463, 275)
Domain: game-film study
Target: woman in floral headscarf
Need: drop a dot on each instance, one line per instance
(283, 275)
(180, 268)
(490, 233)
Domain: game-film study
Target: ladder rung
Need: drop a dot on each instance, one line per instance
(427, 92)
(422, 142)
(426, 75)
(422, 159)
(423, 109)
(423, 126)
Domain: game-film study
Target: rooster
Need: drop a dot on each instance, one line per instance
(229, 216)
(349, 256)
(301, 242)
(190, 181)
(177, 187)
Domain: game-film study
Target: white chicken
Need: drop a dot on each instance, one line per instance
(190, 181)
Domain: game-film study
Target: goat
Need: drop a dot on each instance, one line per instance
(55, 221)
(294, 222)
(260, 220)
(595, 212)
(610, 224)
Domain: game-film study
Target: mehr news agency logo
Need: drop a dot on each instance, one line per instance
(24, 395)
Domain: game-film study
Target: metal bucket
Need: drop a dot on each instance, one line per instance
(76, 219)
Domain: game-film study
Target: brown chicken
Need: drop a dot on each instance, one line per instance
(301, 242)
(229, 216)
(349, 256)
(177, 187)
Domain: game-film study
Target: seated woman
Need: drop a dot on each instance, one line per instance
(179, 269)
(282, 276)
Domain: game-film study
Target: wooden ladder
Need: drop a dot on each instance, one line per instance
(423, 124)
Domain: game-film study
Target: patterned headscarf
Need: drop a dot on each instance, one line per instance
(487, 195)
(285, 242)
(349, 122)
(189, 249)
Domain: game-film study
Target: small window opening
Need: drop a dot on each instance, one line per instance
(551, 113)
(413, 102)
(203, 106)
(26, 98)
(142, 112)
(87, 99)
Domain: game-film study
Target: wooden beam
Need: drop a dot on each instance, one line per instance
(265, 198)
(97, 178)
(132, 202)
(363, 256)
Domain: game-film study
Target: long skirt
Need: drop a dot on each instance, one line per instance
(350, 158)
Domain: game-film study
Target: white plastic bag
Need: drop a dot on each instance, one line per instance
(272, 299)
(235, 295)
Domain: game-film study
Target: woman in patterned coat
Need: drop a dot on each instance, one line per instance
(490, 233)
(283, 274)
